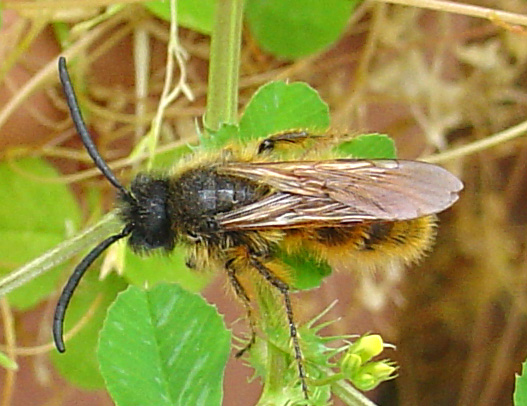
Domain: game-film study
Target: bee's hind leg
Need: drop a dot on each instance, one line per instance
(242, 295)
(284, 290)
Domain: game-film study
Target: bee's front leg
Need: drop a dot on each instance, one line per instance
(241, 294)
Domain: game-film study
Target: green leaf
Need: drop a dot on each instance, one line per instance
(196, 15)
(368, 146)
(62, 33)
(520, 392)
(295, 28)
(79, 363)
(7, 362)
(163, 347)
(275, 107)
(309, 272)
(279, 106)
(215, 140)
(34, 216)
(165, 160)
(148, 271)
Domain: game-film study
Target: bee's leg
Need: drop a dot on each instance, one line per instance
(288, 137)
(284, 290)
(242, 295)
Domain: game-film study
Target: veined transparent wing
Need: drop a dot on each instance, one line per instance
(341, 192)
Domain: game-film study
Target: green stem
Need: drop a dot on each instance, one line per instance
(222, 95)
(276, 369)
(277, 363)
(328, 379)
(109, 224)
(349, 395)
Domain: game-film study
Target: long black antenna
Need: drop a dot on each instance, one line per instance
(76, 116)
(78, 273)
(73, 281)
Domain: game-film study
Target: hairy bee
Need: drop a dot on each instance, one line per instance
(236, 210)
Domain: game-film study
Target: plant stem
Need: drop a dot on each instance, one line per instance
(494, 15)
(277, 364)
(480, 145)
(349, 395)
(222, 102)
(328, 379)
(109, 224)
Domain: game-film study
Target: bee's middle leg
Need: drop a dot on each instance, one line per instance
(242, 295)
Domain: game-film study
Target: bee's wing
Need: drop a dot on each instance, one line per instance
(338, 192)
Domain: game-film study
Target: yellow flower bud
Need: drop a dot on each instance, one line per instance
(367, 347)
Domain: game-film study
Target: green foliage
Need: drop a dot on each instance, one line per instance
(295, 28)
(308, 271)
(368, 146)
(157, 268)
(280, 106)
(520, 392)
(165, 160)
(163, 347)
(274, 361)
(275, 107)
(62, 33)
(196, 15)
(7, 362)
(214, 140)
(35, 215)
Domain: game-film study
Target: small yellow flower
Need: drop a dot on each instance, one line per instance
(357, 365)
(367, 347)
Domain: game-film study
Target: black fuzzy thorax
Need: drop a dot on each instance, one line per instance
(199, 195)
(161, 209)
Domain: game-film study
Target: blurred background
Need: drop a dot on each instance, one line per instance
(435, 81)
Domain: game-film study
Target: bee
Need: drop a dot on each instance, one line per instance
(237, 209)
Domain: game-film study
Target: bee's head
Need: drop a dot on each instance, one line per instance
(147, 211)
